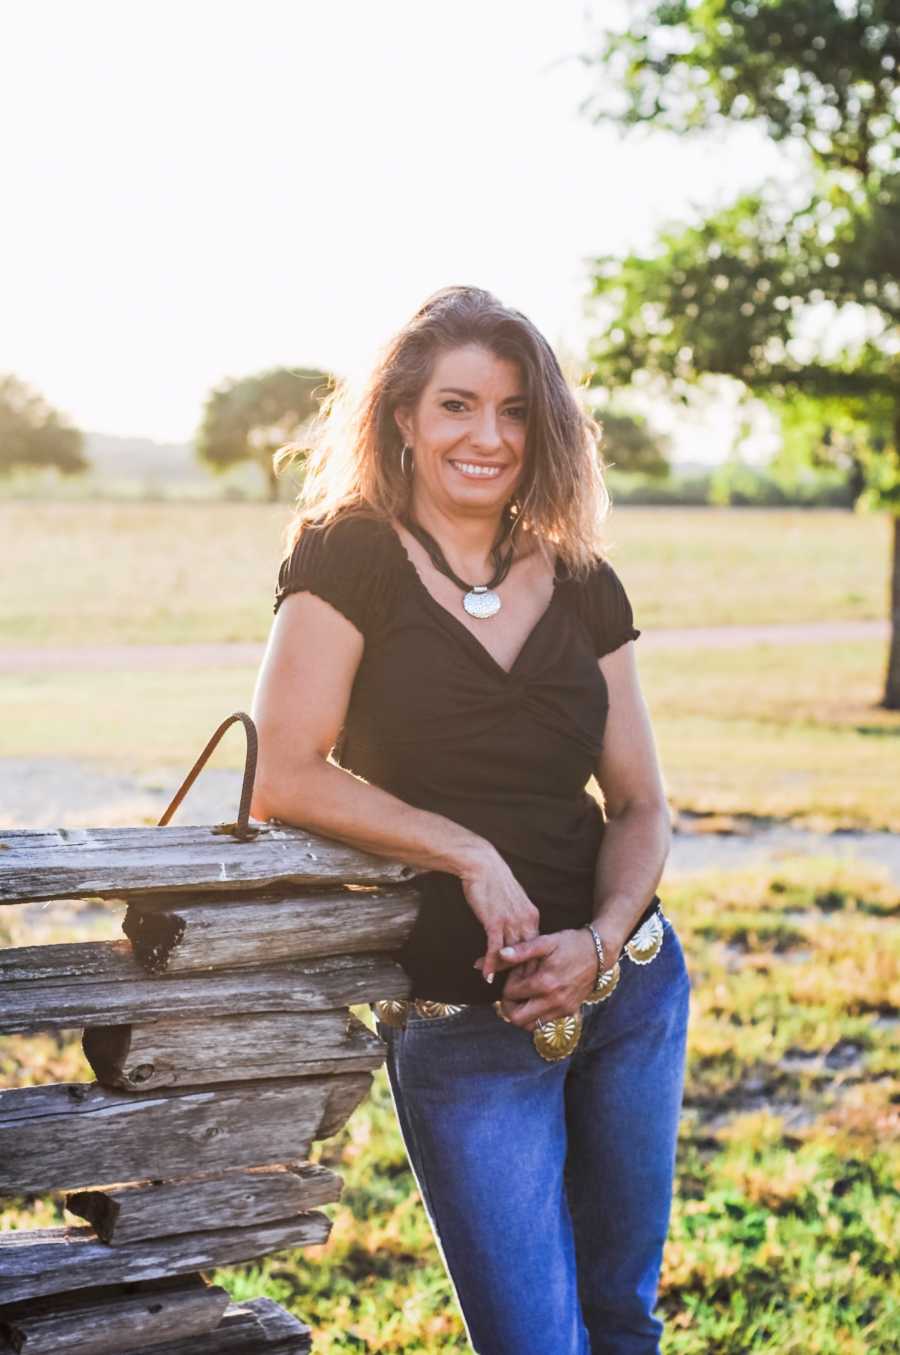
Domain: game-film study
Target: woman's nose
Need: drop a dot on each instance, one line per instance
(486, 431)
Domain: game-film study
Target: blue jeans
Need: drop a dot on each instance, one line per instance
(549, 1185)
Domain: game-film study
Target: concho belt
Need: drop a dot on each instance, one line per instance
(553, 1039)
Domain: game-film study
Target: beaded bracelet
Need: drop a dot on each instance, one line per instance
(606, 978)
(598, 947)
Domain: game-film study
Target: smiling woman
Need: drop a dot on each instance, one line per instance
(464, 651)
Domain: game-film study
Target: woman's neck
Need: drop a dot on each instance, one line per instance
(466, 539)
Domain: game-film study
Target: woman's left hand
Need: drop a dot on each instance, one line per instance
(551, 975)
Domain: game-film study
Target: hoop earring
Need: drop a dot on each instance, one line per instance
(403, 465)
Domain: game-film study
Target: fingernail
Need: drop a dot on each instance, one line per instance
(489, 977)
(507, 952)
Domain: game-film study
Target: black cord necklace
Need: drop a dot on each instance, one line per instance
(479, 599)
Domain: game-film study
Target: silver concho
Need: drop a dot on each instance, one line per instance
(605, 985)
(645, 944)
(425, 1007)
(481, 601)
(392, 1012)
(557, 1037)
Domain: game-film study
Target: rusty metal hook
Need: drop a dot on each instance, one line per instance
(241, 829)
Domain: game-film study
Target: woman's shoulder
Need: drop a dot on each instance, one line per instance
(603, 603)
(351, 536)
(348, 560)
(351, 529)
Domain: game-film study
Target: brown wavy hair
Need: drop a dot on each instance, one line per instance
(352, 450)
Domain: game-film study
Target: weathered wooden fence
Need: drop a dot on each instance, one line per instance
(221, 1040)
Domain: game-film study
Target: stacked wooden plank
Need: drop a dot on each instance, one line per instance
(223, 1045)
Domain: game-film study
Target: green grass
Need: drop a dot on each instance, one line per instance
(792, 731)
(126, 573)
(742, 566)
(122, 573)
(132, 719)
(785, 1221)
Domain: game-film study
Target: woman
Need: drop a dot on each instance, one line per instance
(449, 630)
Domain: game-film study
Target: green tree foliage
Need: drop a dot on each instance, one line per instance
(630, 444)
(796, 294)
(754, 292)
(250, 418)
(33, 436)
(822, 71)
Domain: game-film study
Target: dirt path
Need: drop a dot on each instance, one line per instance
(146, 658)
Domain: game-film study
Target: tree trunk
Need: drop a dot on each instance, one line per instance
(271, 478)
(892, 678)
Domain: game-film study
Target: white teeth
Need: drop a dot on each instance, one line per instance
(484, 471)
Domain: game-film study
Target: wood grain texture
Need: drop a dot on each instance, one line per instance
(188, 935)
(100, 983)
(77, 961)
(75, 863)
(113, 1321)
(126, 1214)
(258, 1327)
(243, 1051)
(55, 1260)
(230, 1049)
(68, 1136)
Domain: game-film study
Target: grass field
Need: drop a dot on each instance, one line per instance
(790, 731)
(784, 1227)
(122, 573)
(786, 731)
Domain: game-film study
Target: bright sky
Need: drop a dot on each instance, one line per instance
(206, 188)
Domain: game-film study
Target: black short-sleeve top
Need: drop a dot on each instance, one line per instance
(434, 719)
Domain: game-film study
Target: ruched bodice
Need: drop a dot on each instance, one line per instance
(434, 719)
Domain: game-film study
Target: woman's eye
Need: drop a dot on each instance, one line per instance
(517, 411)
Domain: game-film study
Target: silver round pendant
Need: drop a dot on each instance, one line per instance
(481, 601)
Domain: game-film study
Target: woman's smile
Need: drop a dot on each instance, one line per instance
(472, 470)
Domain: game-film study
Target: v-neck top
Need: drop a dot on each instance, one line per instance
(435, 720)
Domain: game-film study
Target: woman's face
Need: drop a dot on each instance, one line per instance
(472, 414)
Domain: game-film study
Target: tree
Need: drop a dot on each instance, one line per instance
(33, 435)
(629, 444)
(250, 418)
(798, 299)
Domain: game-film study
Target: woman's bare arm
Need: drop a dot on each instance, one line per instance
(299, 706)
(638, 834)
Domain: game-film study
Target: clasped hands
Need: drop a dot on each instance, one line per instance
(552, 975)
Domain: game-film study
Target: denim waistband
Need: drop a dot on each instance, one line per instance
(558, 1037)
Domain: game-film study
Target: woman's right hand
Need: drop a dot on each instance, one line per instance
(502, 907)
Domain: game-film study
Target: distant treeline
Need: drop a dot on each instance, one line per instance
(737, 484)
